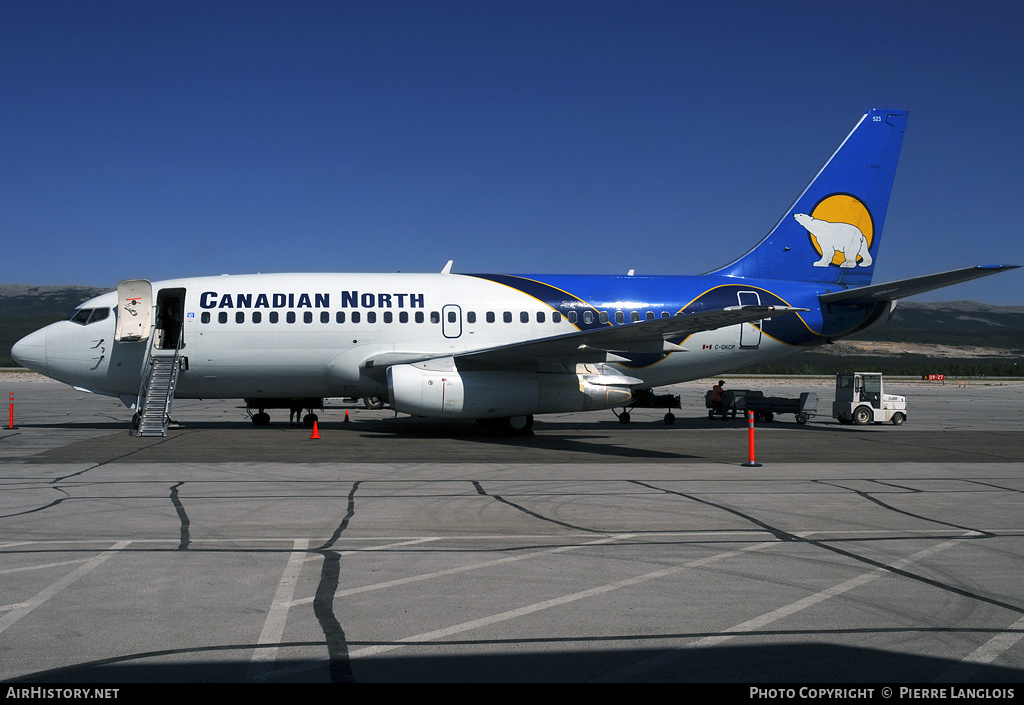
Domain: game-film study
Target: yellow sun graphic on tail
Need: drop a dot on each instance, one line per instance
(843, 208)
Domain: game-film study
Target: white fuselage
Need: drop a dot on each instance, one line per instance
(306, 335)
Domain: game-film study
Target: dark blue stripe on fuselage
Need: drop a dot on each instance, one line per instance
(690, 294)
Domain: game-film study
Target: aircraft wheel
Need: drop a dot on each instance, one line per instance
(863, 415)
(898, 419)
(670, 418)
(309, 419)
(801, 418)
(373, 403)
(261, 419)
(520, 425)
(624, 417)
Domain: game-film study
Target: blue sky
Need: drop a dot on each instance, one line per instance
(163, 139)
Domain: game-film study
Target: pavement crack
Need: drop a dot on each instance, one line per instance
(779, 534)
(786, 536)
(871, 498)
(518, 507)
(185, 540)
(339, 664)
(49, 505)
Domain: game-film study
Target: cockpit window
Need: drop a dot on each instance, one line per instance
(85, 316)
(81, 316)
(99, 314)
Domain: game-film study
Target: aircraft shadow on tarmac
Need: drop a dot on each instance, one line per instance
(414, 426)
(803, 662)
(564, 440)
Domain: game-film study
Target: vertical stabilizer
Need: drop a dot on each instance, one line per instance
(832, 232)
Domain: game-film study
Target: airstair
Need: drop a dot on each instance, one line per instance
(157, 392)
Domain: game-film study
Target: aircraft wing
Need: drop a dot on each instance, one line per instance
(607, 343)
(878, 293)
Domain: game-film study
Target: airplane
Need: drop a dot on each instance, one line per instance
(497, 348)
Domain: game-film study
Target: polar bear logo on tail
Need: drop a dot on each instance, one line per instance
(837, 237)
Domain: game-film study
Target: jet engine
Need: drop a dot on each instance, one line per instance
(443, 391)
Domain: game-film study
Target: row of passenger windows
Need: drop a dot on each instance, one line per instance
(88, 315)
(435, 317)
(371, 317)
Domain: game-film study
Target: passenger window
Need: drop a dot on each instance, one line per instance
(307, 317)
(435, 317)
(573, 317)
(388, 317)
(588, 317)
(619, 317)
(419, 316)
(650, 315)
(274, 316)
(290, 317)
(205, 318)
(257, 317)
(452, 317)
(239, 317)
(470, 316)
(339, 317)
(490, 316)
(666, 314)
(325, 317)
(507, 316)
(556, 317)
(604, 316)
(371, 316)
(222, 317)
(540, 316)
(634, 316)
(403, 317)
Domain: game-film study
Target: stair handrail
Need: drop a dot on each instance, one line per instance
(144, 377)
(175, 367)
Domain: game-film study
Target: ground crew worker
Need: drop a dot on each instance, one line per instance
(717, 402)
(295, 412)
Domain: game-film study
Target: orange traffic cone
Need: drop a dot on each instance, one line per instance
(316, 432)
(346, 416)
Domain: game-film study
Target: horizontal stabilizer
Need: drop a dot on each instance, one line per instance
(878, 293)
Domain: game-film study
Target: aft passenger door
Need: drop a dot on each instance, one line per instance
(750, 333)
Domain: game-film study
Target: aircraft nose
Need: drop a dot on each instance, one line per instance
(30, 351)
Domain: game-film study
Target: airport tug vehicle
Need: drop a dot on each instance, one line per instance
(861, 399)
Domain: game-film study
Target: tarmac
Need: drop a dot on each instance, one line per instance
(404, 550)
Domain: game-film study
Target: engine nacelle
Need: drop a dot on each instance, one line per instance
(421, 390)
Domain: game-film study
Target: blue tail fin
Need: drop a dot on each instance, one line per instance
(831, 234)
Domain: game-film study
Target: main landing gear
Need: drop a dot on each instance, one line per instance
(262, 418)
(294, 406)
